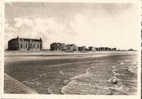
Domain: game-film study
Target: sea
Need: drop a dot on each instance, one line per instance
(113, 74)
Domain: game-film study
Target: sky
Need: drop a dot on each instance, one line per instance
(89, 24)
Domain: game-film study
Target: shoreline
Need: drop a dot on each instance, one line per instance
(61, 53)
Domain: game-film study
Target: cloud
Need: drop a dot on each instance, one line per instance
(8, 27)
(23, 21)
(83, 24)
(49, 29)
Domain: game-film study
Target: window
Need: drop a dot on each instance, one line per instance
(21, 46)
(26, 45)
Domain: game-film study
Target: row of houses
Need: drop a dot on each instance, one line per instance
(63, 47)
(56, 46)
(36, 44)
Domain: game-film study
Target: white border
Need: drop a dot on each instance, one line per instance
(90, 1)
(29, 96)
(2, 49)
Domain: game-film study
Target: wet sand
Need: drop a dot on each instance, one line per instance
(75, 74)
(14, 86)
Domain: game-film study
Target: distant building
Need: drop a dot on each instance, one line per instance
(91, 48)
(113, 49)
(25, 44)
(131, 49)
(63, 47)
(82, 48)
(71, 47)
(100, 48)
(57, 46)
(97, 49)
(105, 49)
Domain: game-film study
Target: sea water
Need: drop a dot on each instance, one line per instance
(109, 77)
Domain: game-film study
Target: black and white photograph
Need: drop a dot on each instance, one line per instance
(71, 48)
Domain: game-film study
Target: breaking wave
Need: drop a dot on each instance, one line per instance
(117, 83)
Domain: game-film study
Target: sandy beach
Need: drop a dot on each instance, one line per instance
(73, 73)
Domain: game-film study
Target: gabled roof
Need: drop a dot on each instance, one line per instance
(26, 39)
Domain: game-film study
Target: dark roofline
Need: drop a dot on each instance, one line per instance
(26, 39)
(12, 39)
(30, 39)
